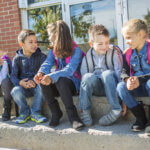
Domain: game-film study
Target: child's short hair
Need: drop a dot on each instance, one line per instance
(23, 34)
(97, 29)
(134, 26)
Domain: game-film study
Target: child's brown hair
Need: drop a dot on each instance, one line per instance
(134, 26)
(23, 34)
(63, 41)
(97, 29)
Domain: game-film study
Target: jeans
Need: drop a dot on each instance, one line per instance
(20, 94)
(91, 84)
(128, 95)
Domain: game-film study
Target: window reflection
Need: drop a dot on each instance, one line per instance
(39, 18)
(140, 9)
(85, 14)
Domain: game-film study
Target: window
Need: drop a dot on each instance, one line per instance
(85, 14)
(36, 1)
(39, 18)
(139, 9)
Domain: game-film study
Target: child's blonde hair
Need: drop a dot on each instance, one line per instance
(134, 26)
(96, 30)
(23, 34)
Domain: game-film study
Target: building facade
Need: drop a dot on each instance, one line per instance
(78, 14)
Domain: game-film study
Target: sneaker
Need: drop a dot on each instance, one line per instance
(77, 125)
(22, 119)
(86, 118)
(110, 118)
(38, 118)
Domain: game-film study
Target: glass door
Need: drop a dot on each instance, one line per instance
(82, 14)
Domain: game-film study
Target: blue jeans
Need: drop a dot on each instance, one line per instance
(20, 94)
(91, 84)
(128, 95)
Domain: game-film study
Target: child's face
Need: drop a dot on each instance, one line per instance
(51, 37)
(101, 44)
(134, 40)
(30, 44)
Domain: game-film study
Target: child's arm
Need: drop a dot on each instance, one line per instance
(70, 68)
(4, 71)
(48, 63)
(125, 74)
(15, 72)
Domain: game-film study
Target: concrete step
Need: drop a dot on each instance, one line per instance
(32, 136)
(100, 106)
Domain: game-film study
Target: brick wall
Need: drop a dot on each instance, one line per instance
(10, 26)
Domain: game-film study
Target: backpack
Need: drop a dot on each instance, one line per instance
(109, 64)
(128, 54)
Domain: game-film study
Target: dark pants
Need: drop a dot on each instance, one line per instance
(64, 88)
(6, 87)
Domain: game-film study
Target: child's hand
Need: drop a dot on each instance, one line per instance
(136, 82)
(24, 83)
(46, 80)
(132, 83)
(129, 84)
(38, 77)
(31, 84)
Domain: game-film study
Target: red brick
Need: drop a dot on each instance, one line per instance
(9, 16)
(2, 34)
(1, 17)
(3, 13)
(1, 8)
(9, 25)
(13, 12)
(5, 30)
(8, 8)
(4, 5)
(12, 3)
(6, 38)
(15, 28)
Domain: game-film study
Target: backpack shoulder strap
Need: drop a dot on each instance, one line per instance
(128, 54)
(90, 60)
(109, 62)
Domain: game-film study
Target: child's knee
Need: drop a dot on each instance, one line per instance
(88, 78)
(121, 86)
(16, 91)
(108, 75)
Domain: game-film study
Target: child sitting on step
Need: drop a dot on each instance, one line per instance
(25, 65)
(100, 69)
(65, 81)
(136, 71)
(5, 84)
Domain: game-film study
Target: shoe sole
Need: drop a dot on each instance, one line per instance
(135, 130)
(21, 122)
(37, 120)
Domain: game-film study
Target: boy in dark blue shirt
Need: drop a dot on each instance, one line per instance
(25, 65)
